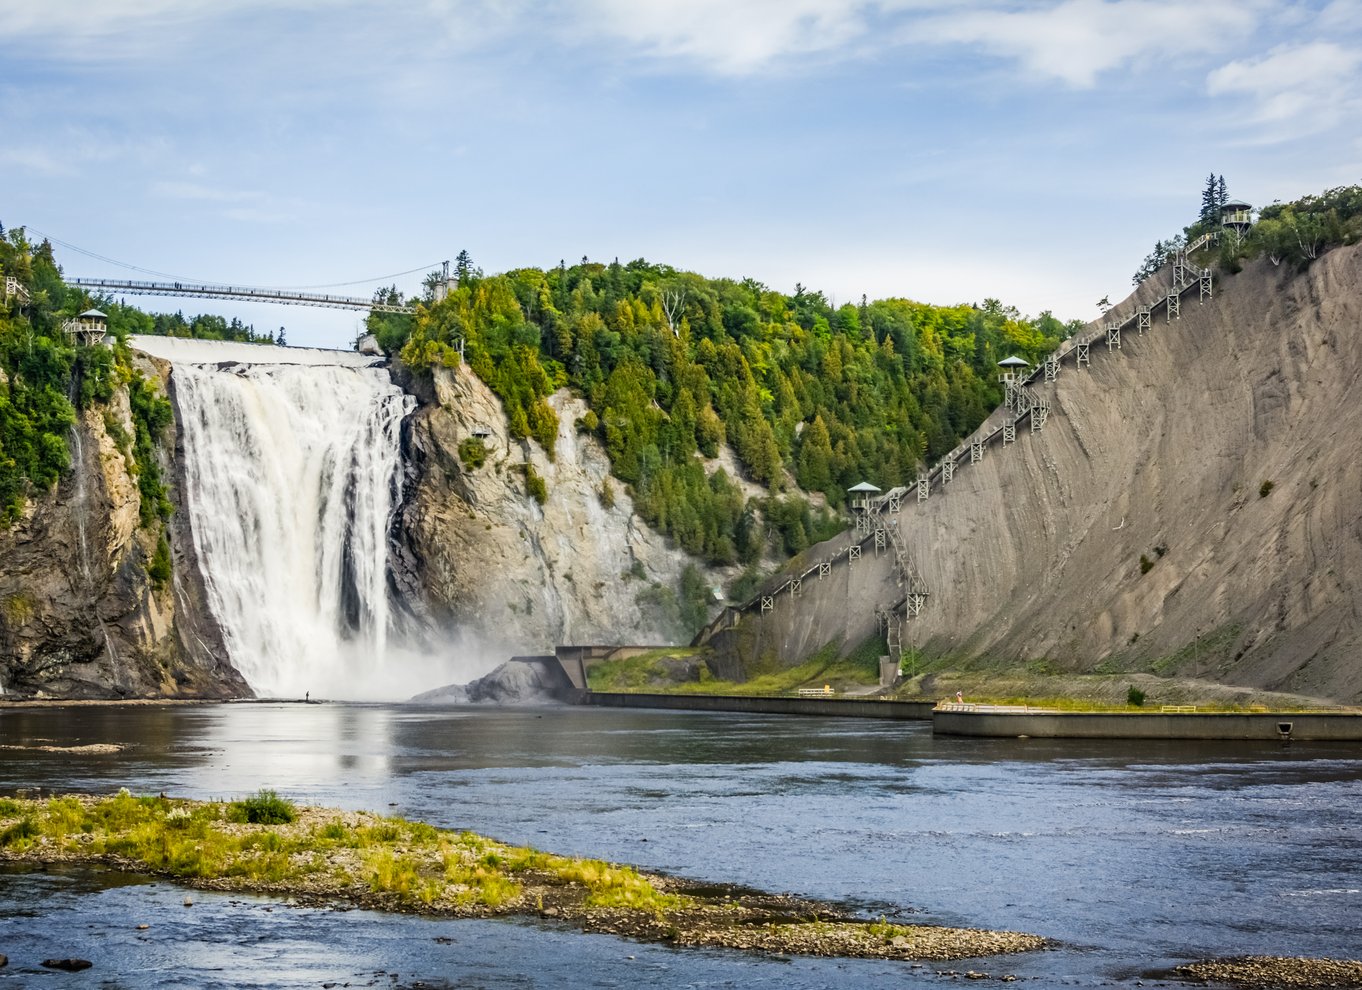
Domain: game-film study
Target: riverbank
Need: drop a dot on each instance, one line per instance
(1275, 973)
(323, 856)
(817, 704)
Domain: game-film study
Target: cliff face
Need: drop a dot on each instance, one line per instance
(1193, 506)
(79, 616)
(491, 562)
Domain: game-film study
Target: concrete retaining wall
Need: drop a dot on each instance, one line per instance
(1101, 725)
(828, 707)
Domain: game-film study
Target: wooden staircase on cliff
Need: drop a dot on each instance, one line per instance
(1022, 402)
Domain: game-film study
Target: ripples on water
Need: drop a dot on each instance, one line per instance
(1136, 855)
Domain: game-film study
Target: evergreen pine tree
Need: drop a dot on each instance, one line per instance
(1209, 217)
(463, 267)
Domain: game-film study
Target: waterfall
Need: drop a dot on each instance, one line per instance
(291, 476)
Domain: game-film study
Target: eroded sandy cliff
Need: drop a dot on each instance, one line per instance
(1193, 506)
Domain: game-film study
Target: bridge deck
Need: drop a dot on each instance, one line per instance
(288, 297)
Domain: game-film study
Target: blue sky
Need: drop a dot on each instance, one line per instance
(941, 151)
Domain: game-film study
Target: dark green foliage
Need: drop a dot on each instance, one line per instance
(43, 375)
(1135, 697)
(798, 525)
(535, 485)
(673, 365)
(205, 326)
(151, 414)
(264, 807)
(159, 568)
(693, 599)
(37, 362)
(473, 453)
(1265, 489)
(1296, 232)
(24, 828)
(1157, 258)
(745, 585)
(1301, 231)
(1214, 196)
(391, 330)
(1145, 564)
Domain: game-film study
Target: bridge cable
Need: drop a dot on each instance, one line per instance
(198, 281)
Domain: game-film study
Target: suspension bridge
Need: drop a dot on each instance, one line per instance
(200, 290)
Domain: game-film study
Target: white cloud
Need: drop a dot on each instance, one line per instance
(1340, 16)
(1077, 40)
(731, 37)
(1295, 89)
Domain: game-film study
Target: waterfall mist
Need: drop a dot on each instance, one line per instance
(292, 478)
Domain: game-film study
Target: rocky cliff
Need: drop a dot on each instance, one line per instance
(79, 615)
(489, 562)
(1192, 507)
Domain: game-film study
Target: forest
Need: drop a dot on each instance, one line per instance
(811, 397)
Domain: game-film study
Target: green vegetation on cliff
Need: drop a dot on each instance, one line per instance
(45, 379)
(673, 365)
(1297, 232)
(38, 366)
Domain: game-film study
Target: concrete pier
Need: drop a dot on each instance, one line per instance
(832, 707)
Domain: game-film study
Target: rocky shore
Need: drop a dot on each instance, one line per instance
(264, 845)
(1276, 973)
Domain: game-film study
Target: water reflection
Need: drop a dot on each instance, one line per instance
(1136, 854)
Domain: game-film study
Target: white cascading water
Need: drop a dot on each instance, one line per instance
(291, 476)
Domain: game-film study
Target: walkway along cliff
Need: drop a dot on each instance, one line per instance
(1174, 492)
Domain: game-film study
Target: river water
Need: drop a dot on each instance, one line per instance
(1135, 856)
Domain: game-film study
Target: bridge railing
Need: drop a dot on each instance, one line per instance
(202, 290)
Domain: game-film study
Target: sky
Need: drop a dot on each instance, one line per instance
(940, 150)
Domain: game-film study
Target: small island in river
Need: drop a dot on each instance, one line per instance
(265, 845)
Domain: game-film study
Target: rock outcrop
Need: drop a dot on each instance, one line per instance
(521, 577)
(1193, 506)
(519, 681)
(79, 615)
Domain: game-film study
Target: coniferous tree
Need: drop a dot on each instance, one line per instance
(1209, 217)
(463, 267)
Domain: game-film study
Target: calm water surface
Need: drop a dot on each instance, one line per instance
(1136, 856)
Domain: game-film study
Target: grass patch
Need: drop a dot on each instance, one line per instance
(644, 673)
(264, 807)
(1200, 652)
(393, 864)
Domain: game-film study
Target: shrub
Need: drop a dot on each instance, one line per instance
(1134, 696)
(159, 568)
(1265, 489)
(264, 807)
(1145, 564)
(17, 833)
(535, 485)
(473, 453)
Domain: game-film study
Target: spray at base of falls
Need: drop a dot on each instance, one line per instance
(291, 474)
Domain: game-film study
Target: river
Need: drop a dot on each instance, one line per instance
(1134, 856)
